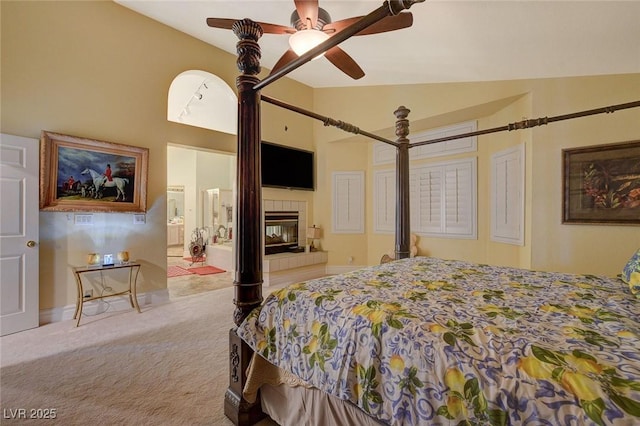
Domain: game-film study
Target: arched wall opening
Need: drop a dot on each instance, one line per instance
(199, 98)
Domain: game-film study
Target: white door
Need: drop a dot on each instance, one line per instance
(19, 215)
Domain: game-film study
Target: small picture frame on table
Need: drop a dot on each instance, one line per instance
(107, 260)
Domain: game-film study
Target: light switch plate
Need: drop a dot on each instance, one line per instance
(83, 219)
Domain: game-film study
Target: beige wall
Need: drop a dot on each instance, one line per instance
(98, 70)
(549, 244)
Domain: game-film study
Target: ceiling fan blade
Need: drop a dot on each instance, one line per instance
(223, 23)
(307, 10)
(344, 62)
(390, 23)
(267, 28)
(276, 29)
(288, 56)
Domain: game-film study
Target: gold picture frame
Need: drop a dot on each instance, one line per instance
(602, 184)
(80, 174)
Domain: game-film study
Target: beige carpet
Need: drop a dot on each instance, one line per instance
(165, 366)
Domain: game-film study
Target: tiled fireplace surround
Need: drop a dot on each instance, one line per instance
(289, 206)
(280, 268)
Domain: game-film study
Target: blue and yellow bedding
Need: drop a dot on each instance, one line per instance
(431, 341)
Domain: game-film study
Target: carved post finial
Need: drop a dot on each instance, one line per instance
(248, 33)
(402, 123)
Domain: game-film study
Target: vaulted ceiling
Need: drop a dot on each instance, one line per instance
(450, 40)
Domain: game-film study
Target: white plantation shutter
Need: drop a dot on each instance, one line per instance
(384, 195)
(507, 196)
(348, 202)
(443, 199)
(459, 208)
(426, 199)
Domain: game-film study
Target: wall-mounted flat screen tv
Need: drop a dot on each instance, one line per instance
(286, 167)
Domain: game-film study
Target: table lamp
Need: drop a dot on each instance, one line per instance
(313, 233)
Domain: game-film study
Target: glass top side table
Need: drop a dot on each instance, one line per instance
(79, 271)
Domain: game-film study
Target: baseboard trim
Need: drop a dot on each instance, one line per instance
(343, 269)
(290, 276)
(95, 307)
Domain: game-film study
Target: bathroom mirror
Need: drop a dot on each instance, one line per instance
(175, 203)
(217, 210)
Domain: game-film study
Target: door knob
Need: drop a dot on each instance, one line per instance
(31, 243)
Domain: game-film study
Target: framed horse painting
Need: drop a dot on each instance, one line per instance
(79, 174)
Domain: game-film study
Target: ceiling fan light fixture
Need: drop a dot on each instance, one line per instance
(305, 40)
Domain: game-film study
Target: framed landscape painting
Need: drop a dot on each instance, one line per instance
(602, 184)
(79, 174)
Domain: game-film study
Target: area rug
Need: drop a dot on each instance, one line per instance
(177, 271)
(206, 270)
(197, 259)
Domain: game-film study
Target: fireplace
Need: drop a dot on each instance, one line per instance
(281, 232)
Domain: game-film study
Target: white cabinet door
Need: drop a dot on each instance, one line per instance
(175, 235)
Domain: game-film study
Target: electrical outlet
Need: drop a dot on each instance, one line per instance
(88, 293)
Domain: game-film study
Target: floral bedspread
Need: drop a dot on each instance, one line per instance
(443, 342)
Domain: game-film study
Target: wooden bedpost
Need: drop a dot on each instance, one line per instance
(403, 222)
(248, 235)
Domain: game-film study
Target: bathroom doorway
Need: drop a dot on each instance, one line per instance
(192, 174)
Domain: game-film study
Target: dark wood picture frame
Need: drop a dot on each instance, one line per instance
(602, 184)
(73, 169)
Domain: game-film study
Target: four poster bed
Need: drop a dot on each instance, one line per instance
(418, 340)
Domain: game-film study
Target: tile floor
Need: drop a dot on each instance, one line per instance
(186, 285)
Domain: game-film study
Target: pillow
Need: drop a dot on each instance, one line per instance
(631, 273)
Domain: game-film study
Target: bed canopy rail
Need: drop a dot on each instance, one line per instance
(528, 123)
(518, 125)
(328, 121)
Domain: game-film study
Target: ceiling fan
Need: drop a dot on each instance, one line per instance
(311, 25)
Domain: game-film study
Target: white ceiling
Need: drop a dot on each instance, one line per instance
(450, 40)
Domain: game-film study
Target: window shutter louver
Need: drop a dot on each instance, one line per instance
(384, 201)
(348, 202)
(507, 196)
